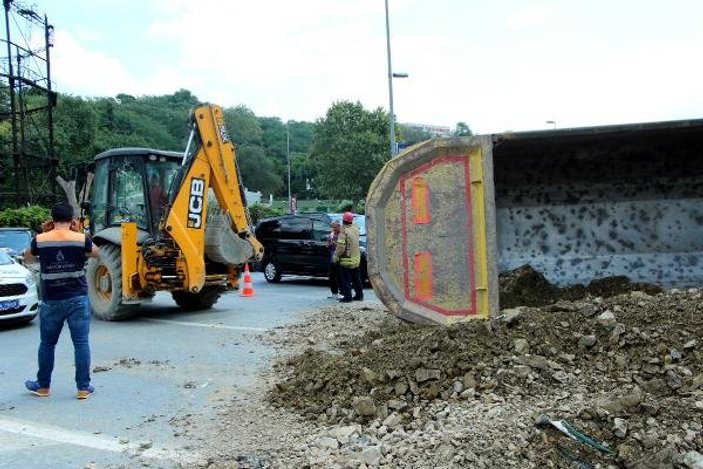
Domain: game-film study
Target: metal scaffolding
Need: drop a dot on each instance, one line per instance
(28, 163)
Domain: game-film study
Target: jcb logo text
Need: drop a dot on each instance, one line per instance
(195, 203)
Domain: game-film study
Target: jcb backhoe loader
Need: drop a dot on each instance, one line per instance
(168, 221)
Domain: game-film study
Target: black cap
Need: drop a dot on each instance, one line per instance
(62, 212)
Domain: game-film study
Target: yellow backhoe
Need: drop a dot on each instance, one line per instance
(168, 221)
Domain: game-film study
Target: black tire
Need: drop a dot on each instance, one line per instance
(104, 276)
(365, 281)
(204, 299)
(363, 268)
(272, 273)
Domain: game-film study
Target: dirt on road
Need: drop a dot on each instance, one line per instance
(621, 365)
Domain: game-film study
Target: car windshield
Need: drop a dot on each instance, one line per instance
(360, 220)
(5, 258)
(15, 240)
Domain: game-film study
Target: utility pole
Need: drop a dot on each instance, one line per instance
(25, 74)
(290, 207)
(391, 75)
(390, 83)
(13, 104)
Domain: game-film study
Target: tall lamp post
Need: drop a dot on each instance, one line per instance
(391, 75)
(290, 207)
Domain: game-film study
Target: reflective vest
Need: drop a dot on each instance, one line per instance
(347, 251)
(62, 258)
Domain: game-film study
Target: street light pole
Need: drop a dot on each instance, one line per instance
(554, 123)
(390, 83)
(290, 208)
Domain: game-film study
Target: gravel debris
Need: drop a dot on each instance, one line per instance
(354, 387)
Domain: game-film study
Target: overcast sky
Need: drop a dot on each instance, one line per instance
(496, 65)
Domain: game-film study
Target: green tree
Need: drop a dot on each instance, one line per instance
(152, 122)
(75, 129)
(182, 99)
(243, 125)
(350, 146)
(84, 127)
(462, 130)
(257, 169)
(303, 176)
(301, 134)
(273, 136)
(410, 135)
(5, 121)
(277, 136)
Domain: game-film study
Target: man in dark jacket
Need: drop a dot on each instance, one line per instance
(62, 252)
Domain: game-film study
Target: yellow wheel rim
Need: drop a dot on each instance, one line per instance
(103, 283)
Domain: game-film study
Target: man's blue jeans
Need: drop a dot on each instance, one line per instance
(76, 312)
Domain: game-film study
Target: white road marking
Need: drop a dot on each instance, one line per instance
(89, 440)
(207, 326)
(60, 435)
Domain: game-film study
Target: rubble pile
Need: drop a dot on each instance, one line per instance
(525, 286)
(606, 375)
(625, 371)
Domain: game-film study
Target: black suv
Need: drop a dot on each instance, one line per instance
(297, 245)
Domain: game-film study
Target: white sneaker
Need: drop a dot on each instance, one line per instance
(339, 296)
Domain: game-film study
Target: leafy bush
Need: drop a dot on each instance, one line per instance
(258, 211)
(349, 206)
(26, 217)
(345, 206)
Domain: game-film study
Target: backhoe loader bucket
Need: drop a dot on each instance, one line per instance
(576, 204)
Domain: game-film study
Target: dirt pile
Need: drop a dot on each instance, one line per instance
(525, 286)
(625, 370)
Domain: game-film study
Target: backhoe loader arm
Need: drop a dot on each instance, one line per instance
(211, 164)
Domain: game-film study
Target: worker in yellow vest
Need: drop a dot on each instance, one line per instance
(348, 255)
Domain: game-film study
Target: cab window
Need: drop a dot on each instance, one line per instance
(128, 193)
(98, 212)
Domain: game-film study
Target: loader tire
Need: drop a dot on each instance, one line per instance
(204, 299)
(104, 276)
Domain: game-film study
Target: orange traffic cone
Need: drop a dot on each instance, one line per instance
(248, 288)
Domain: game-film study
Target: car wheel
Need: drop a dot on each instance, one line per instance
(272, 273)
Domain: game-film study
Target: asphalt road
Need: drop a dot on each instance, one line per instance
(165, 366)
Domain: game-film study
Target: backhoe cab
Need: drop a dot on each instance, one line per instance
(169, 221)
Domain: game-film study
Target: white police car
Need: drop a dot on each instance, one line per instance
(19, 301)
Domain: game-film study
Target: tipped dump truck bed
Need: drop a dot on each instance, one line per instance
(446, 216)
